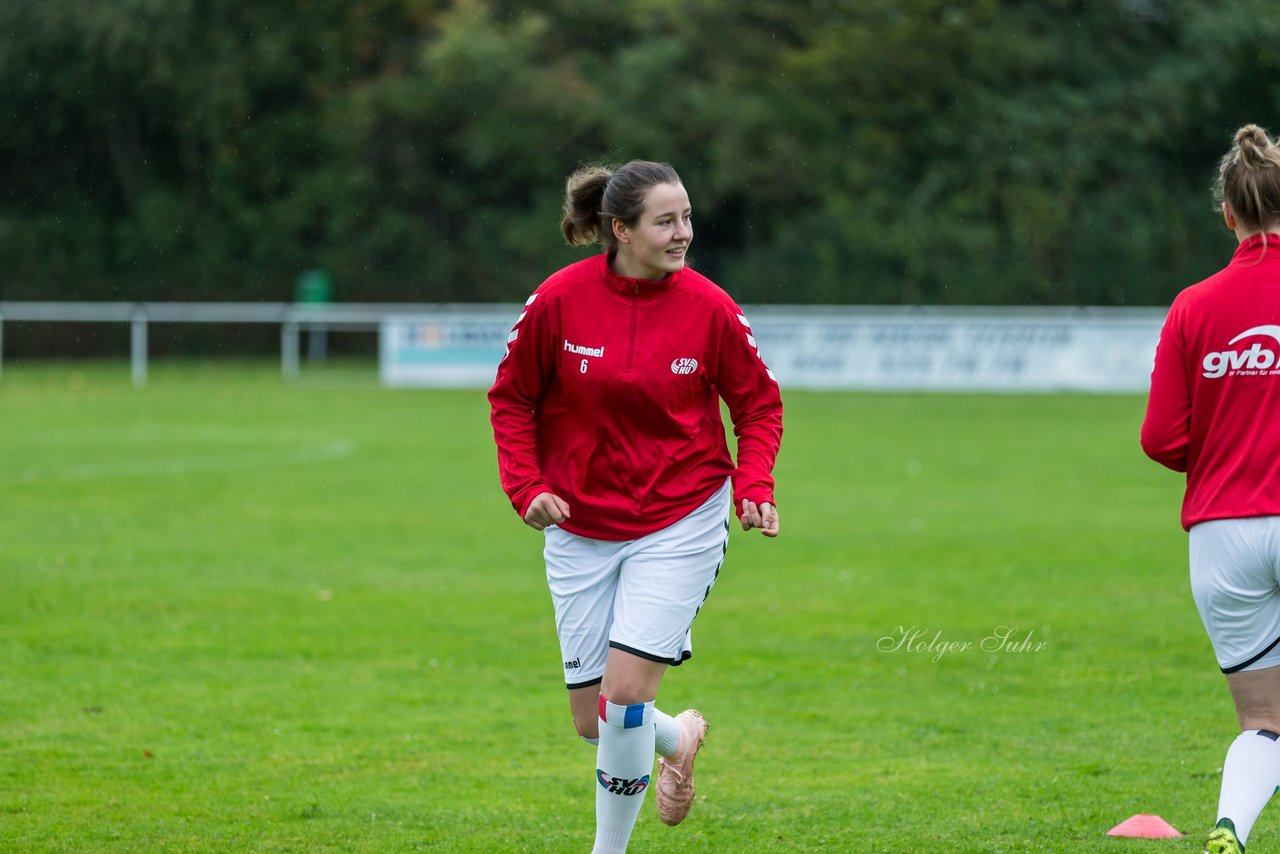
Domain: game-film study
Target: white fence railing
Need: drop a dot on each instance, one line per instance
(293, 319)
(807, 347)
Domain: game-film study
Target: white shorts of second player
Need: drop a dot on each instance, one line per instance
(639, 595)
(1235, 579)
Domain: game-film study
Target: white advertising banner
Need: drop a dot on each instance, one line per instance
(444, 349)
(1096, 350)
(856, 348)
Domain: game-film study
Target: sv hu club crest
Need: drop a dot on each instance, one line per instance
(621, 785)
(684, 366)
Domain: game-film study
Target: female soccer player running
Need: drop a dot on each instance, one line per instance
(606, 414)
(1214, 413)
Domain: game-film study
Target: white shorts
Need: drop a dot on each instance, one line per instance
(1235, 579)
(640, 595)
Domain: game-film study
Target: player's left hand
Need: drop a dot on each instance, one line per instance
(763, 516)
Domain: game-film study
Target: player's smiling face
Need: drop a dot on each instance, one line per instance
(656, 244)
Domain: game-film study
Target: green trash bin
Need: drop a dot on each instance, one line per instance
(314, 288)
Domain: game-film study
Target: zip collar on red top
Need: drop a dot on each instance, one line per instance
(1253, 245)
(629, 286)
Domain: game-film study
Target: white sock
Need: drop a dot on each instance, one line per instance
(666, 733)
(623, 763)
(594, 742)
(1250, 776)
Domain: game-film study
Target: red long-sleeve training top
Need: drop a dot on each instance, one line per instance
(609, 397)
(1214, 409)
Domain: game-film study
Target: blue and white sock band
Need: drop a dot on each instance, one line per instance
(626, 717)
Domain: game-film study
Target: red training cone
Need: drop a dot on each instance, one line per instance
(1145, 827)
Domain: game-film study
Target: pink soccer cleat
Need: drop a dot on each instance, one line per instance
(675, 775)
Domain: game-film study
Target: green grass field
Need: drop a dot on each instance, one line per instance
(242, 616)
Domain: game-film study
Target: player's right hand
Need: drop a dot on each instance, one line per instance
(546, 509)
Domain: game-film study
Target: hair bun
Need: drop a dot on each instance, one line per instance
(1253, 144)
(584, 197)
(1249, 180)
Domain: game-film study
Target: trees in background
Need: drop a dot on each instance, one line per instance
(836, 151)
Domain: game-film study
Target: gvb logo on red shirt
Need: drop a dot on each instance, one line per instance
(1256, 360)
(621, 785)
(684, 366)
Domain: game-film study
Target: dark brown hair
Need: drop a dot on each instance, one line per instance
(596, 195)
(1249, 180)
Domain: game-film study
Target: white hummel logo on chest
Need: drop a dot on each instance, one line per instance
(579, 350)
